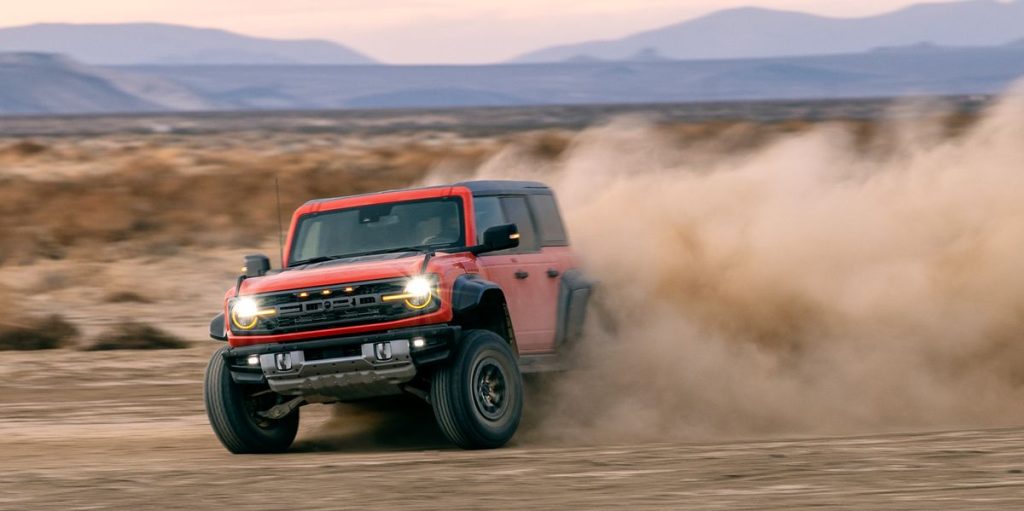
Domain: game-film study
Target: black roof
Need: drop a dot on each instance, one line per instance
(483, 187)
(497, 187)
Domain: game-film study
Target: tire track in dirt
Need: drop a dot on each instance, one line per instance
(133, 436)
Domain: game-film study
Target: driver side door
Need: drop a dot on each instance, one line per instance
(524, 272)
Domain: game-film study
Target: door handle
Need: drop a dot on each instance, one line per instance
(522, 274)
(552, 272)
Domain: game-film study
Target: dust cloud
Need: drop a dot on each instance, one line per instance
(814, 285)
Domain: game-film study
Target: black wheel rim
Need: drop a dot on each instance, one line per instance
(490, 392)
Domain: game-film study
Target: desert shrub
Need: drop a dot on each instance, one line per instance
(126, 297)
(155, 195)
(41, 333)
(550, 144)
(136, 336)
(54, 280)
(25, 148)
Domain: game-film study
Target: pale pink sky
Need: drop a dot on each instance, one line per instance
(419, 31)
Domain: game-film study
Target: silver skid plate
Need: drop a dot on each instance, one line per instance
(378, 370)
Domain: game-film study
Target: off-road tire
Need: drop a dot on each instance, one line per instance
(465, 416)
(236, 428)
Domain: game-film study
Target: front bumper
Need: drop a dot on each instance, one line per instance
(346, 368)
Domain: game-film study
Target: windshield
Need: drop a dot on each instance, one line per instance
(379, 228)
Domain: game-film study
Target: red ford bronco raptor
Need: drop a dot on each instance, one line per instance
(448, 293)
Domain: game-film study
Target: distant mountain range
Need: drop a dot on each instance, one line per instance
(49, 84)
(156, 43)
(970, 47)
(754, 33)
(727, 34)
(33, 83)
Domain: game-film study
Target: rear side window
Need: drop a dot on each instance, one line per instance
(549, 221)
(492, 211)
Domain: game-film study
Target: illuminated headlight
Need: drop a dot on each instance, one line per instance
(418, 293)
(245, 313)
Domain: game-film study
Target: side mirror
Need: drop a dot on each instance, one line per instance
(256, 265)
(499, 237)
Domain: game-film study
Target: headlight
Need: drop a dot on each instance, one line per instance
(420, 290)
(245, 313)
(418, 293)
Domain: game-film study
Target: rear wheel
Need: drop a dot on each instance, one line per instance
(234, 409)
(478, 396)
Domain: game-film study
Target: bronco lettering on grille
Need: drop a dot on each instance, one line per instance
(294, 311)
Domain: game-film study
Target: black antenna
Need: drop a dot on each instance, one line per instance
(280, 229)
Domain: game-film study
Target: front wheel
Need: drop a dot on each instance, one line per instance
(233, 411)
(478, 396)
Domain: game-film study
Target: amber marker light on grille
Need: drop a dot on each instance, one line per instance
(303, 295)
(326, 292)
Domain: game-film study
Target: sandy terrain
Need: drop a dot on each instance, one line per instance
(127, 430)
(808, 349)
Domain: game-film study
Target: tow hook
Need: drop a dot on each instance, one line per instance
(283, 409)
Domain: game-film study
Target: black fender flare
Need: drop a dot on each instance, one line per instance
(470, 294)
(217, 330)
(573, 297)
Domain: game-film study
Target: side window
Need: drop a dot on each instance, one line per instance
(549, 221)
(516, 212)
(487, 211)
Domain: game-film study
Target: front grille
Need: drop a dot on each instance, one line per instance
(324, 307)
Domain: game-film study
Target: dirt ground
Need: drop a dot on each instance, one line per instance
(126, 430)
(94, 208)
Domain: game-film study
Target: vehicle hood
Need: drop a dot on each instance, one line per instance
(332, 273)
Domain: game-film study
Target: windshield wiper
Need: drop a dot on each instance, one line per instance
(423, 249)
(314, 260)
(427, 250)
(324, 259)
